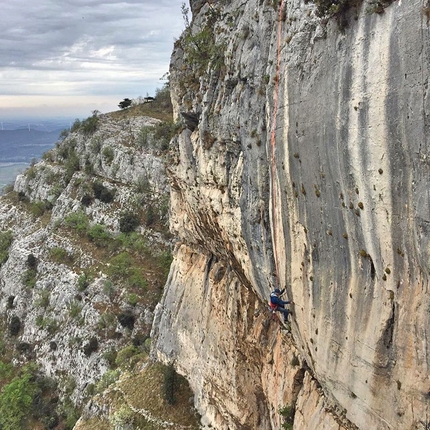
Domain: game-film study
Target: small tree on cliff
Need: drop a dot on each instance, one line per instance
(125, 103)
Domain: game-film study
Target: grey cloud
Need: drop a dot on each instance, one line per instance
(85, 38)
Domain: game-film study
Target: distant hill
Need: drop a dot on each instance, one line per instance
(23, 145)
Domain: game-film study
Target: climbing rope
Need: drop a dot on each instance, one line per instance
(273, 140)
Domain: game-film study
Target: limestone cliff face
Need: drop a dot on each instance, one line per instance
(305, 165)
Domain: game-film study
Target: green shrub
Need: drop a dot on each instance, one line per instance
(110, 377)
(165, 261)
(5, 243)
(72, 164)
(109, 288)
(133, 241)
(169, 384)
(287, 413)
(150, 216)
(125, 354)
(31, 173)
(122, 418)
(76, 125)
(132, 299)
(49, 324)
(29, 278)
(163, 133)
(87, 200)
(96, 145)
(77, 221)
(56, 191)
(16, 400)
(60, 255)
(64, 133)
(14, 326)
(91, 346)
(98, 235)
(38, 208)
(32, 261)
(5, 370)
(142, 185)
(108, 154)
(136, 279)
(107, 321)
(120, 265)
(88, 167)
(144, 136)
(128, 222)
(124, 267)
(75, 309)
(83, 281)
(102, 193)
(70, 414)
(126, 319)
(110, 356)
(90, 125)
(336, 7)
(43, 299)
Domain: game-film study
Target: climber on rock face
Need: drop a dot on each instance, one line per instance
(277, 304)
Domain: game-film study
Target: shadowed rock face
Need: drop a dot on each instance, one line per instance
(334, 204)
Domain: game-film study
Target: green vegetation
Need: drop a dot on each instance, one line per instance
(43, 299)
(38, 208)
(163, 133)
(201, 50)
(29, 278)
(158, 136)
(128, 222)
(340, 7)
(49, 324)
(124, 266)
(77, 221)
(60, 255)
(99, 235)
(90, 125)
(108, 154)
(169, 382)
(125, 354)
(83, 281)
(70, 414)
(161, 108)
(72, 163)
(102, 193)
(5, 243)
(200, 47)
(14, 326)
(26, 397)
(75, 309)
(287, 413)
(110, 377)
(147, 390)
(16, 398)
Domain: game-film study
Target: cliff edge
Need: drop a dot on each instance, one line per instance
(305, 164)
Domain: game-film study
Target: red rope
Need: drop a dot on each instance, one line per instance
(273, 138)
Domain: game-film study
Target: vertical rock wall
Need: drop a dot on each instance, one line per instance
(334, 205)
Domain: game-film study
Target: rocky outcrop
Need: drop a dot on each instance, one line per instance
(64, 303)
(309, 169)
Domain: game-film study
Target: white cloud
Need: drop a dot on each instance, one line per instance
(93, 48)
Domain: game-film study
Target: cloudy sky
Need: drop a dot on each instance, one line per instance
(69, 57)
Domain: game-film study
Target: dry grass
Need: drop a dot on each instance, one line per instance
(93, 424)
(152, 109)
(145, 391)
